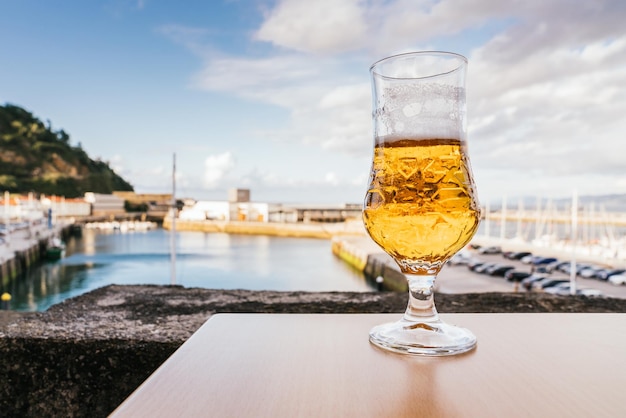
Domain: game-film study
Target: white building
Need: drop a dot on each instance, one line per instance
(206, 210)
(226, 211)
(239, 208)
(105, 204)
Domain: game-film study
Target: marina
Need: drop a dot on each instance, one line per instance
(587, 233)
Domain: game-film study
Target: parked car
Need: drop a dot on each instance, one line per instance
(483, 268)
(565, 268)
(618, 279)
(528, 281)
(515, 275)
(490, 250)
(518, 255)
(539, 261)
(605, 274)
(499, 270)
(589, 272)
(552, 266)
(589, 292)
(507, 254)
(474, 264)
(558, 266)
(564, 289)
(542, 285)
(460, 258)
(561, 289)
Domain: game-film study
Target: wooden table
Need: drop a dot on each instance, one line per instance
(322, 365)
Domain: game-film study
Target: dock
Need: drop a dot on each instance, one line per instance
(360, 252)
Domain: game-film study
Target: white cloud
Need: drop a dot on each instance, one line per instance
(326, 107)
(547, 102)
(279, 80)
(322, 26)
(331, 178)
(216, 167)
(546, 90)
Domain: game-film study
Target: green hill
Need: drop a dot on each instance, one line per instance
(34, 158)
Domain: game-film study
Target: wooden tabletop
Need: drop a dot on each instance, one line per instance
(322, 365)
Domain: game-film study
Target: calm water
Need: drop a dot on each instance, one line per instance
(218, 261)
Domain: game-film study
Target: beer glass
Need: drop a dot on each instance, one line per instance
(421, 206)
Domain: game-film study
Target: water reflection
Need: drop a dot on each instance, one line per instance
(213, 260)
(47, 284)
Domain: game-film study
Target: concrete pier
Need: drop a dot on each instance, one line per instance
(364, 255)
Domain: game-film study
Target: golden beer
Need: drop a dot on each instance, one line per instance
(421, 206)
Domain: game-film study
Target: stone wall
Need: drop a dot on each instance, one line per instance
(84, 356)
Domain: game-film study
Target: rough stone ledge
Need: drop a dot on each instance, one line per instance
(84, 356)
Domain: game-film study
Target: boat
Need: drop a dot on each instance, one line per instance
(55, 250)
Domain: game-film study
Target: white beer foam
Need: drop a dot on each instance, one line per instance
(421, 111)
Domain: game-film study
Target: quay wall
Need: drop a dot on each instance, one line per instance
(25, 248)
(21, 261)
(363, 254)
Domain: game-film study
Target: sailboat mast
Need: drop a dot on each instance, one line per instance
(173, 225)
(573, 239)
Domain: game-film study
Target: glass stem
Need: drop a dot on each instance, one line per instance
(421, 307)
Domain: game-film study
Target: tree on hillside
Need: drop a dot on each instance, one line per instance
(33, 157)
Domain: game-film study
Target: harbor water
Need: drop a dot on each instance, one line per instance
(207, 260)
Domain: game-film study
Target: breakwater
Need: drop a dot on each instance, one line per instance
(296, 230)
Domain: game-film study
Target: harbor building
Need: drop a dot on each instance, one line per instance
(238, 207)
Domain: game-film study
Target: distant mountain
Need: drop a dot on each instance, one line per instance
(34, 158)
(609, 203)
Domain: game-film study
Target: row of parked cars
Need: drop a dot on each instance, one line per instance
(541, 274)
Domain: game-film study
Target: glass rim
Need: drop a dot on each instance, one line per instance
(462, 61)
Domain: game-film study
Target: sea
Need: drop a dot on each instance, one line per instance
(206, 260)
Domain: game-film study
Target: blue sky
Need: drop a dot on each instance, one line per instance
(274, 95)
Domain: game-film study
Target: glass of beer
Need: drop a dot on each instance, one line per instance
(421, 205)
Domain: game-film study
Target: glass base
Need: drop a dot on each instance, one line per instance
(423, 338)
